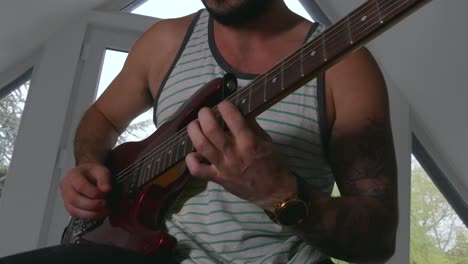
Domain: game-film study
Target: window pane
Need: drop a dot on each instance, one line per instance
(177, 8)
(140, 127)
(11, 110)
(437, 233)
(297, 8)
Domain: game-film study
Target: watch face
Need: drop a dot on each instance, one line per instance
(292, 213)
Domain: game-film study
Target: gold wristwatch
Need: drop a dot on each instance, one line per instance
(290, 212)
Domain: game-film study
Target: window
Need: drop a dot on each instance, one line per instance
(140, 127)
(178, 8)
(12, 101)
(438, 234)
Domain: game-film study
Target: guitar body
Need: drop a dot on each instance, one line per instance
(137, 214)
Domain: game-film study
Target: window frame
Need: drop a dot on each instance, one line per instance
(10, 87)
(440, 179)
(16, 83)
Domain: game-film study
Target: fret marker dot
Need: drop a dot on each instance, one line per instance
(363, 18)
(274, 80)
(159, 159)
(149, 166)
(243, 101)
(183, 142)
(313, 53)
(169, 151)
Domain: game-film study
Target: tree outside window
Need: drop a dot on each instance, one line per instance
(11, 110)
(437, 234)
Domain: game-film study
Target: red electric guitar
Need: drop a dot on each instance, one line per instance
(148, 175)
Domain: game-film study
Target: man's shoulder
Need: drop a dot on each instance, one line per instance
(158, 46)
(167, 32)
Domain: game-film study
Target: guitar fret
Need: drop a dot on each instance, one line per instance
(178, 155)
(145, 172)
(152, 169)
(185, 142)
(378, 11)
(148, 175)
(137, 181)
(339, 41)
(302, 61)
(169, 152)
(324, 48)
(265, 88)
(350, 34)
(364, 21)
(178, 146)
(282, 75)
(164, 160)
(159, 164)
(250, 97)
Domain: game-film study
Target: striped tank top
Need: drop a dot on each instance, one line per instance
(212, 225)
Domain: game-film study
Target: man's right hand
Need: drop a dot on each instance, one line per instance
(84, 190)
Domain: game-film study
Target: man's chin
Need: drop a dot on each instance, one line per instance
(247, 12)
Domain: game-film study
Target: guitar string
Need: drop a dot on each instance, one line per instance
(182, 132)
(132, 168)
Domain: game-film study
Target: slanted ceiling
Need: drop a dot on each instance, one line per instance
(425, 56)
(26, 24)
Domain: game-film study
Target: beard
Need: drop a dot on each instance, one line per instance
(238, 14)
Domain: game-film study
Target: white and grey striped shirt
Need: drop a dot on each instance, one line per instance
(212, 225)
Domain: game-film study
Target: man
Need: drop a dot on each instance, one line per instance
(342, 131)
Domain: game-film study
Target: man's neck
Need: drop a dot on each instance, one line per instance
(256, 46)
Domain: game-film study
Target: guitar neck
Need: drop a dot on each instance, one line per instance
(350, 33)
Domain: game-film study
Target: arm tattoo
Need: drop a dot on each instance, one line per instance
(360, 225)
(365, 165)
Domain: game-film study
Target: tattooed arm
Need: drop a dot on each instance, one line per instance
(361, 224)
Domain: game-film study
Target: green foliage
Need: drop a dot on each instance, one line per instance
(134, 131)
(437, 234)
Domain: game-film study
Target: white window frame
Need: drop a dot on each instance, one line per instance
(10, 87)
(5, 90)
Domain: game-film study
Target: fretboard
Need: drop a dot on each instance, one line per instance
(325, 50)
